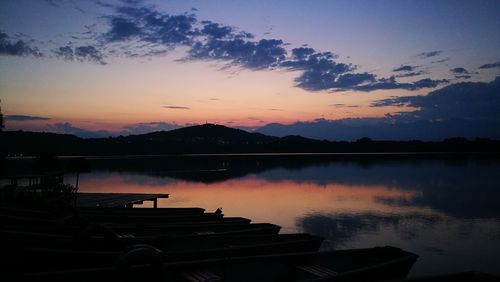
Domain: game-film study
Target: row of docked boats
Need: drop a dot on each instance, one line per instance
(174, 244)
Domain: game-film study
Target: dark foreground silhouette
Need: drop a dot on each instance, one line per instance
(217, 139)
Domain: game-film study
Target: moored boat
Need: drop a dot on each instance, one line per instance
(165, 242)
(373, 264)
(158, 230)
(466, 276)
(28, 258)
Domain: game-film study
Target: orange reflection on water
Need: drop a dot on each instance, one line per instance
(279, 202)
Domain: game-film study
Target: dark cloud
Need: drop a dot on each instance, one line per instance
(302, 53)
(343, 106)
(60, 3)
(131, 129)
(350, 80)
(460, 71)
(176, 107)
(465, 100)
(262, 54)
(392, 101)
(149, 26)
(321, 72)
(65, 53)
(16, 48)
(81, 54)
(137, 30)
(89, 53)
(54, 3)
(216, 30)
(405, 68)
(411, 74)
(408, 71)
(391, 83)
(429, 54)
(388, 128)
(24, 118)
(122, 29)
(68, 128)
(490, 66)
(440, 61)
(146, 127)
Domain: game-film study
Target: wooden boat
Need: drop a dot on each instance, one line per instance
(141, 211)
(159, 230)
(102, 210)
(165, 242)
(468, 276)
(52, 258)
(71, 221)
(373, 264)
(22, 216)
(31, 211)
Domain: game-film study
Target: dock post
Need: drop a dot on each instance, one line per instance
(155, 203)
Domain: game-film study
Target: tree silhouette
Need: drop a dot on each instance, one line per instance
(1, 117)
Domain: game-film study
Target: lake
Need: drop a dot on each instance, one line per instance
(443, 208)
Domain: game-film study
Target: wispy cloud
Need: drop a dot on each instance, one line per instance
(460, 70)
(340, 105)
(429, 54)
(462, 73)
(81, 54)
(491, 65)
(441, 61)
(176, 107)
(24, 118)
(405, 68)
(17, 47)
(391, 83)
(411, 74)
(408, 71)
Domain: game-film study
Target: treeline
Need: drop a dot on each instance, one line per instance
(215, 139)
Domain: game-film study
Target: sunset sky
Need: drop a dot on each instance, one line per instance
(98, 68)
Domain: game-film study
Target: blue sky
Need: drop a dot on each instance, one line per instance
(95, 68)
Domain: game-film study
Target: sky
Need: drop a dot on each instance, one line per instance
(337, 70)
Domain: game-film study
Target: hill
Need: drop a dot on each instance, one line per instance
(206, 134)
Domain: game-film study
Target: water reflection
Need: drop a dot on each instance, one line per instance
(342, 229)
(445, 244)
(444, 209)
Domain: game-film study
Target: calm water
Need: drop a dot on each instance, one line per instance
(445, 210)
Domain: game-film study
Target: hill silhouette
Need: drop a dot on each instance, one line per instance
(216, 139)
(207, 134)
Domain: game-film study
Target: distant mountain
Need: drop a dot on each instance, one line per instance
(214, 139)
(206, 134)
(386, 129)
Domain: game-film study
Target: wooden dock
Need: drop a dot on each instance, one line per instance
(116, 200)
